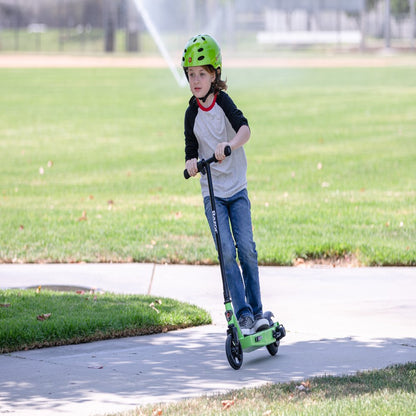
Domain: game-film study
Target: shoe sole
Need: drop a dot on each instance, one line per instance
(261, 325)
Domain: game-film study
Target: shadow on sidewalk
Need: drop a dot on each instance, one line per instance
(134, 371)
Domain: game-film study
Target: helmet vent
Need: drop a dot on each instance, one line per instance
(200, 49)
(201, 58)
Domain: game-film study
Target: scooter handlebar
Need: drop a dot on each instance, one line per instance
(201, 163)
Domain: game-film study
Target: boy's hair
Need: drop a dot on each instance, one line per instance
(218, 84)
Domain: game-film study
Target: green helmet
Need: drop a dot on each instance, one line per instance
(201, 50)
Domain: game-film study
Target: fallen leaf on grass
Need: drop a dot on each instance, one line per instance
(227, 403)
(304, 386)
(5, 305)
(157, 412)
(43, 316)
(83, 217)
(299, 261)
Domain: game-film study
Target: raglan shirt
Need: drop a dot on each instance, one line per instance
(204, 129)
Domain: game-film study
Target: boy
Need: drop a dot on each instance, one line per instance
(212, 122)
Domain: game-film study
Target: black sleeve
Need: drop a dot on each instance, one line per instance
(234, 115)
(191, 142)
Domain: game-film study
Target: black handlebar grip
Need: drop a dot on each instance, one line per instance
(227, 152)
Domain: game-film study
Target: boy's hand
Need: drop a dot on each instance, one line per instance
(191, 166)
(219, 151)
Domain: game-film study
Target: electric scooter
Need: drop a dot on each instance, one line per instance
(236, 342)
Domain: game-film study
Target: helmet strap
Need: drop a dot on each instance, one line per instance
(211, 90)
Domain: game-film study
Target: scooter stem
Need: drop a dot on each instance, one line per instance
(226, 290)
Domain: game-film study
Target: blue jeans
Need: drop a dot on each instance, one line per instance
(245, 288)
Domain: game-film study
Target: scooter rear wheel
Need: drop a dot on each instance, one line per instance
(273, 348)
(234, 352)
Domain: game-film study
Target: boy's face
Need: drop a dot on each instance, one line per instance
(200, 81)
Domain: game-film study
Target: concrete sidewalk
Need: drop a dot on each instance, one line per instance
(338, 321)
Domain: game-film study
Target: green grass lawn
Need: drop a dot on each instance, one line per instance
(390, 391)
(91, 164)
(43, 318)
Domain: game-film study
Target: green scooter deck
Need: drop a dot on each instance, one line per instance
(259, 339)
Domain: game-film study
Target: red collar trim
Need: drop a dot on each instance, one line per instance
(207, 108)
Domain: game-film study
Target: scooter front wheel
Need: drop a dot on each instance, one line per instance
(234, 352)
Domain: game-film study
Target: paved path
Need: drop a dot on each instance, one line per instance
(338, 321)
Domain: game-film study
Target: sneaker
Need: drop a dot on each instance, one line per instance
(246, 325)
(260, 323)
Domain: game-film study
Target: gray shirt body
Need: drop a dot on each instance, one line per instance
(204, 129)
